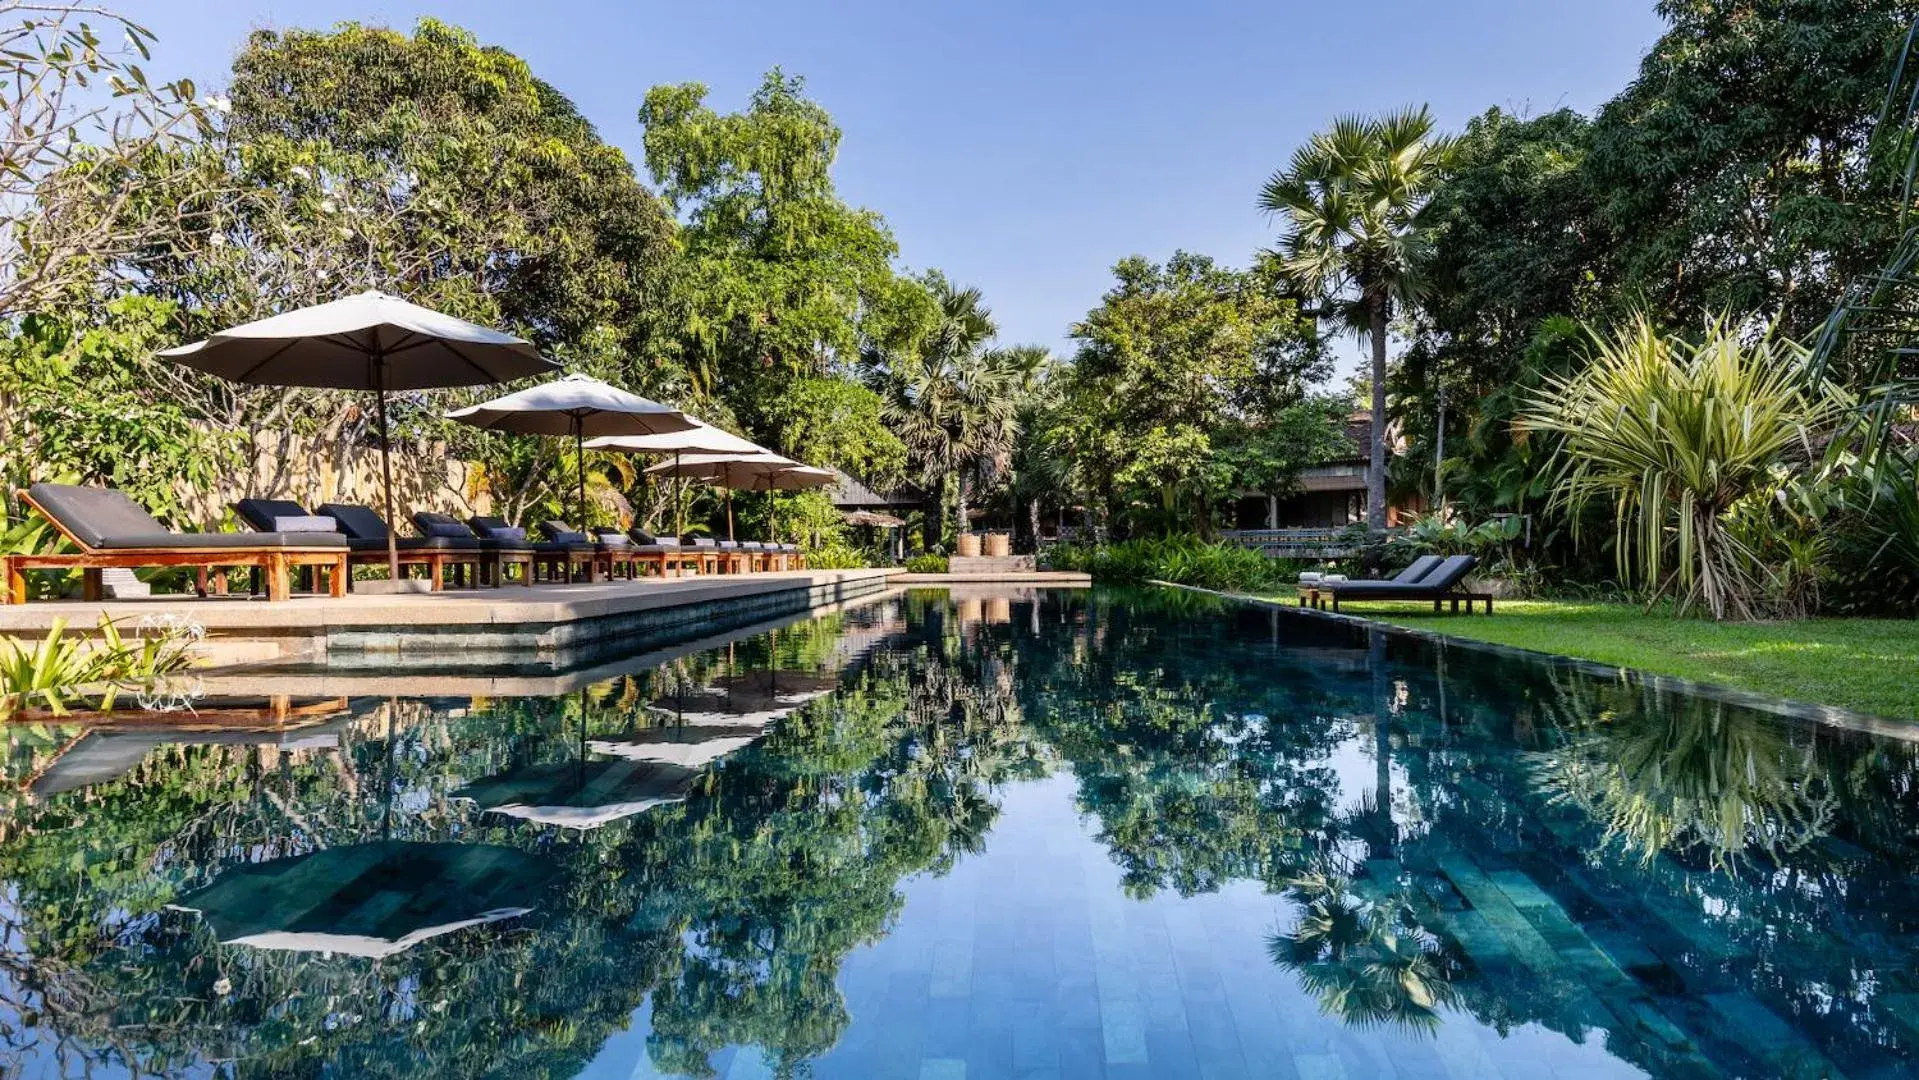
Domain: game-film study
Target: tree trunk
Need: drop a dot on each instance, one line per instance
(959, 507)
(1386, 841)
(1376, 465)
(1032, 520)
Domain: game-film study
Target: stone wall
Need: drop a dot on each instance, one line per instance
(285, 465)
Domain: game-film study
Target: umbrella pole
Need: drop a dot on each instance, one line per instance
(729, 513)
(386, 474)
(579, 453)
(679, 495)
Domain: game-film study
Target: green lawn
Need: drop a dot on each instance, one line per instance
(1870, 665)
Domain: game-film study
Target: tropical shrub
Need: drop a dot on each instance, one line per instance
(1182, 560)
(1675, 436)
(928, 563)
(1436, 534)
(61, 668)
(1873, 536)
(837, 555)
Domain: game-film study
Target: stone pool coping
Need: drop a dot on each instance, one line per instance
(477, 626)
(1831, 715)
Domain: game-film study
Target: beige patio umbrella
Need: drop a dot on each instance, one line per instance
(369, 341)
(702, 438)
(579, 406)
(745, 472)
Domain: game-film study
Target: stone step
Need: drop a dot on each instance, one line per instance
(991, 564)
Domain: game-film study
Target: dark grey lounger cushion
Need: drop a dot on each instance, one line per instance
(497, 530)
(224, 541)
(105, 518)
(1417, 569)
(1442, 579)
(93, 514)
(559, 532)
(260, 513)
(357, 522)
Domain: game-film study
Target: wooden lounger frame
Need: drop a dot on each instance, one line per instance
(1315, 598)
(273, 562)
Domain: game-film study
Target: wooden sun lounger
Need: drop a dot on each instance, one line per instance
(274, 561)
(1439, 585)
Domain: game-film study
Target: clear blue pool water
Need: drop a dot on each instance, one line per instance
(1060, 835)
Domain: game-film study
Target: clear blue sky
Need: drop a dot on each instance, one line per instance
(1026, 145)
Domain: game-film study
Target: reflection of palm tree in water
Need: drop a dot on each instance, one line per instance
(1359, 947)
(1368, 962)
(1666, 772)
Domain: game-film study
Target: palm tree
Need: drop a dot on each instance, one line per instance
(953, 402)
(1354, 201)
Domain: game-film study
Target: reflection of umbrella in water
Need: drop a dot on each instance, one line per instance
(580, 794)
(103, 754)
(749, 696)
(372, 899)
(689, 746)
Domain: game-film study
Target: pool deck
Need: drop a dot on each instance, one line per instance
(475, 625)
(1051, 579)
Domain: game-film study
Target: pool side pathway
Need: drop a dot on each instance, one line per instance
(469, 623)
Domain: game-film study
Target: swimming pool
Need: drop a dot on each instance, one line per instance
(1056, 834)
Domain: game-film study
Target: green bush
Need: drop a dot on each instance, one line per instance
(1182, 560)
(927, 564)
(835, 555)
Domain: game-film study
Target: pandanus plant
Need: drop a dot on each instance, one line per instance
(1675, 434)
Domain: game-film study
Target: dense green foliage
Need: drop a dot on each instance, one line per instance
(1191, 381)
(1181, 560)
(1745, 175)
(928, 563)
(434, 166)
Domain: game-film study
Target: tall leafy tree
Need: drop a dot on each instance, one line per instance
(954, 401)
(514, 188)
(76, 108)
(424, 164)
(784, 279)
(1731, 173)
(1179, 361)
(1515, 250)
(1353, 201)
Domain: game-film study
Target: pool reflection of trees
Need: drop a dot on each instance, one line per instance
(1777, 850)
(733, 909)
(1203, 750)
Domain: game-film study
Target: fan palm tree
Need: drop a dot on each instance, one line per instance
(952, 401)
(1353, 202)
